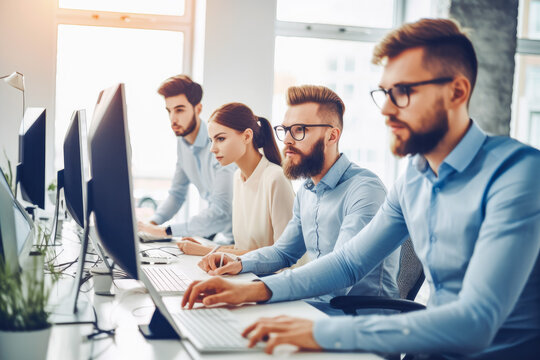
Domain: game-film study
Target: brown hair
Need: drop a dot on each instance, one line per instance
(329, 102)
(181, 84)
(239, 117)
(447, 49)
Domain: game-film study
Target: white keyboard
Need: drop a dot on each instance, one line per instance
(167, 279)
(212, 330)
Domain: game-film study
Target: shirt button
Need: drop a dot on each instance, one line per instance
(337, 345)
(436, 189)
(406, 331)
(432, 238)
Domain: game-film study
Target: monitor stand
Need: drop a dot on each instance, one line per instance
(158, 328)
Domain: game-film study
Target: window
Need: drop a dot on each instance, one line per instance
(526, 99)
(101, 43)
(331, 44)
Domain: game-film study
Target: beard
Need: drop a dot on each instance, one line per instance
(310, 164)
(423, 141)
(189, 128)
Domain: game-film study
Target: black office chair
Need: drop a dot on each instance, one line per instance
(409, 280)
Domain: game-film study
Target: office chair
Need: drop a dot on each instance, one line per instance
(409, 280)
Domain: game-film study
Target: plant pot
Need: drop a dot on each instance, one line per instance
(52, 196)
(22, 345)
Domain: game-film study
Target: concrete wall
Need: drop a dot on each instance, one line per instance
(493, 25)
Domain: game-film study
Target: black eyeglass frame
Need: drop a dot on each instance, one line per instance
(407, 90)
(304, 126)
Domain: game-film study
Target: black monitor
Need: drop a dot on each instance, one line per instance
(73, 177)
(16, 229)
(110, 190)
(75, 156)
(31, 166)
(110, 198)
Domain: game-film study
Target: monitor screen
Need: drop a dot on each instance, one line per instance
(74, 167)
(31, 168)
(110, 190)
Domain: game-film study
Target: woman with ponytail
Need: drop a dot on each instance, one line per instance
(263, 197)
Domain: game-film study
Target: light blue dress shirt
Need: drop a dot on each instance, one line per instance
(198, 166)
(476, 230)
(325, 217)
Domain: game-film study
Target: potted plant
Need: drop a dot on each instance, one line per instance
(24, 325)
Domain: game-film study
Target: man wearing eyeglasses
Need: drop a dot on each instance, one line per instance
(470, 203)
(335, 202)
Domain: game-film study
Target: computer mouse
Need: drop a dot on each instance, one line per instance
(285, 350)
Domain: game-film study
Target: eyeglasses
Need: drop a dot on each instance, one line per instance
(400, 94)
(298, 131)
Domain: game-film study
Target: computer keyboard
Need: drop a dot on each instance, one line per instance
(212, 330)
(147, 237)
(167, 279)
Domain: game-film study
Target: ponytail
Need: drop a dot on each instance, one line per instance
(265, 139)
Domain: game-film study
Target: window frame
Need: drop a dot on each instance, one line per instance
(184, 24)
(524, 46)
(348, 33)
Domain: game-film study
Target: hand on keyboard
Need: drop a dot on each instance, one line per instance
(190, 246)
(152, 230)
(283, 333)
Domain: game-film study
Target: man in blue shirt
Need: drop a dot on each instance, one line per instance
(195, 165)
(335, 202)
(470, 203)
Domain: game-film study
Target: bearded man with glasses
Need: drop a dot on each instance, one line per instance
(337, 199)
(469, 202)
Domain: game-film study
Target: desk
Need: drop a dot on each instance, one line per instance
(133, 306)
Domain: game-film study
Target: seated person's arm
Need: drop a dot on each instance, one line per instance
(175, 199)
(337, 270)
(503, 258)
(217, 216)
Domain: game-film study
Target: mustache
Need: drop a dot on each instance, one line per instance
(392, 120)
(292, 149)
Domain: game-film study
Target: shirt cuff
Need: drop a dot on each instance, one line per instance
(179, 229)
(335, 333)
(279, 287)
(248, 265)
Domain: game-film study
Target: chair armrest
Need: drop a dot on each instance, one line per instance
(350, 303)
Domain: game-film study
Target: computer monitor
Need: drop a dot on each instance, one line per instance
(31, 167)
(75, 146)
(16, 229)
(110, 197)
(73, 177)
(110, 189)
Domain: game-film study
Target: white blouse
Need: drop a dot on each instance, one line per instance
(262, 206)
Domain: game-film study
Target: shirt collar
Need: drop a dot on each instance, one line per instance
(462, 155)
(332, 177)
(467, 148)
(202, 137)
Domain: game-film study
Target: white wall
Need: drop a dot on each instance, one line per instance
(238, 60)
(27, 45)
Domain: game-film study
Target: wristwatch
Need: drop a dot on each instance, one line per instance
(168, 230)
